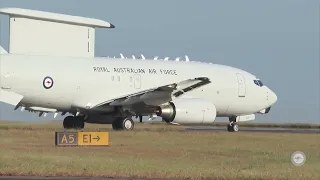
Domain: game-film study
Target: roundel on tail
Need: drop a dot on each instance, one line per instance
(47, 82)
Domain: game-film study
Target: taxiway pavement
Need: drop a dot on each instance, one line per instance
(254, 129)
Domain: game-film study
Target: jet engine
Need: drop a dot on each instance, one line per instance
(188, 111)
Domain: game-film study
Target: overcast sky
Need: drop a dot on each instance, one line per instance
(277, 40)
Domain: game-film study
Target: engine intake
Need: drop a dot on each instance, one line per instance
(188, 111)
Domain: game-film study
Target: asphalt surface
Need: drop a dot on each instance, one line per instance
(253, 129)
(68, 178)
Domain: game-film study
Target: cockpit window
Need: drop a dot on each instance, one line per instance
(258, 83)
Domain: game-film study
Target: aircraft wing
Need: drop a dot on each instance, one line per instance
(154, 96)
(10, 97)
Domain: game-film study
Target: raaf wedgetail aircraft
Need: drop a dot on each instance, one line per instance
(112, 90)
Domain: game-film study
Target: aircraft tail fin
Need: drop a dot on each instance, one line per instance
(3, 51)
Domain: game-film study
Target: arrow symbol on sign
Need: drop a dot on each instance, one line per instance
(97, 138)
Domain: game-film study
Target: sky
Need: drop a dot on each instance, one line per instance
(278, 41)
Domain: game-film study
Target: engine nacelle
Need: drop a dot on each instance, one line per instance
(188, 111)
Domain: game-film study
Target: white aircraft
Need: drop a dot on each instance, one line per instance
(112, 90)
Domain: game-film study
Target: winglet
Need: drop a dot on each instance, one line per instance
(3, 51)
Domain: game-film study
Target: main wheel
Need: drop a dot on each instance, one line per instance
(73, 122)
(123, 124)
(127, 124)
(67, 122)
(78, 122)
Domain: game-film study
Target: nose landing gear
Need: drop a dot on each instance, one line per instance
(233, 125)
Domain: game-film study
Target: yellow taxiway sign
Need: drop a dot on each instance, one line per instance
(82, 138)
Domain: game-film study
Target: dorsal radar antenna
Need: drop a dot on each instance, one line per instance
(122, 57)
(133, 57)
(142, 56)
(166, 58)
(187, 58)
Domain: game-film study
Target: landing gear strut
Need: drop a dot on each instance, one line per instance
(123, 124)
(233, 125)
(73, 122)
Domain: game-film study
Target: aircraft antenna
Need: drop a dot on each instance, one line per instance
(122, 57)
(155, 58)
(143, 56)
(187, 58)
(166, 58)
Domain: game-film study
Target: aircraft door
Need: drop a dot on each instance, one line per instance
(137, 81)
(241, 85)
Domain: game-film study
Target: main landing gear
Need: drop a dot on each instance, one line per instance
(77, 122)
(73, 122)
(125, 123)
(233, 125)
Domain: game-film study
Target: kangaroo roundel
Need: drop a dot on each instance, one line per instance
(47, 82)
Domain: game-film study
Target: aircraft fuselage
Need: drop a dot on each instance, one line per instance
(63, 82)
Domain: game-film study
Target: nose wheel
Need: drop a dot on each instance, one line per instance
(233, 125)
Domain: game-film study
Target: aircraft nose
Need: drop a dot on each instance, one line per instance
(272, 97)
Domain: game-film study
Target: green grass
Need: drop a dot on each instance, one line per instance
(158, 151)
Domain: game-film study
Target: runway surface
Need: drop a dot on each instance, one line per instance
(255, 129)
(69, 178)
